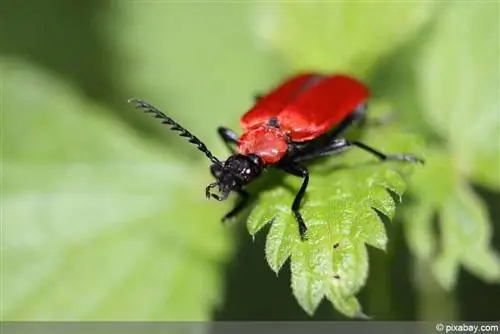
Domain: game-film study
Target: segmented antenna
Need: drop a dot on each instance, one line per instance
(148, 108)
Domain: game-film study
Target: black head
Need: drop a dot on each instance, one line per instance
(237, 171)
(231, 175)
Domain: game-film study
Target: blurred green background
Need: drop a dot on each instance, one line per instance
(103, 211)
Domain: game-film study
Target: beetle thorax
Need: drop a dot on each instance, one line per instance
(267, 142)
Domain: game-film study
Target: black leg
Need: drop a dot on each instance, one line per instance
(239, 206)
(335, 147)
(300, 171)
(358, 115)
(341, 144)
(228, 136)
(383, 156)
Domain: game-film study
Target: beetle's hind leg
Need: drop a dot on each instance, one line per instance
(357, 116)
(387, 157)
(340, 145)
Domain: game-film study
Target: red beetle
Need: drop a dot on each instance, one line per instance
(299, 120)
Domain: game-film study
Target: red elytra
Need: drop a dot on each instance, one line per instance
(300, 120)
(303, 108)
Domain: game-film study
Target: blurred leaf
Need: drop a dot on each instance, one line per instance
(464, 224)
(197, 62)
(458, 83)
(430, 185)
(438, 179)
(346, 36)
(420, 233)
(466, 236)
(83, 60)
(459, 78)
(339, 212)
(97, 225)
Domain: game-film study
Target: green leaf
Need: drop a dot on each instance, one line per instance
(466, 237)
(419, 230)
(463, 221)
(96, 224)
(339, 212)
(458, 83)
(346, 36)
(430, 186)
(204, 53)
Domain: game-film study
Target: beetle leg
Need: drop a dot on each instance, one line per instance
(383, 156)
(228, 136)
(239, 206)
(339, 145)
(358, 115)
(335, 147)
(300, 171)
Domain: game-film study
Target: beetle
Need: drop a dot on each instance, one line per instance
(299, 120)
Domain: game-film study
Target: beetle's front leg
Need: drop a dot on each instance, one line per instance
(239, 206)
(297, 170)
(229, 137)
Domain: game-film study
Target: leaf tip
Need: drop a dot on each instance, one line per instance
(360, 315)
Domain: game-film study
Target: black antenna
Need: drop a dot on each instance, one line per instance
(148, 108)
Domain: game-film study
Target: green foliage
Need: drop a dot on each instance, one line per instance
(100, 224)
(464, 224)
(198, 62)
(339, 210)
(346, 36)
(458, 87)
(92, 221)
(339, 206)
(457, 84)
